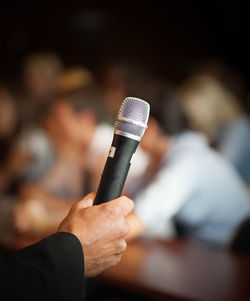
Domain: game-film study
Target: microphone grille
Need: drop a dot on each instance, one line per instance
(132, 117)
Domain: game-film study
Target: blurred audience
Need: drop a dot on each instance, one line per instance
(40, 74)
(72, 79)
(213, 100)
(55, 139)
(125, 78)
(11, 161)
(81, 140)
(72, 122)
(41, 71)
(189, 189)
(69, 123)
(44, 140)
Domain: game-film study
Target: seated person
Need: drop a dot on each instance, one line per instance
(55, 164)
(212, 99)
(84, 135)
(188, 184)
(47, 198)
(82, 144)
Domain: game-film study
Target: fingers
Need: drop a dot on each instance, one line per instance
(87, 201)
(122, 205)
(120, 246)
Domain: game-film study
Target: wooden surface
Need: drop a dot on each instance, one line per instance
(174, 270)
(179, 270)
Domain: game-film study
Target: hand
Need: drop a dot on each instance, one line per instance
(101, 230)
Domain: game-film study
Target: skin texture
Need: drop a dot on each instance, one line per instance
(101, 230)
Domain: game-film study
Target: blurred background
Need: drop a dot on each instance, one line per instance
(66, 66)
(168, 37)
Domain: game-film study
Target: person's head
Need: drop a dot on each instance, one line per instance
(212, 97)
(40, 73)
(167, 119)
(72, 79)
(75, 115)
(124, 79)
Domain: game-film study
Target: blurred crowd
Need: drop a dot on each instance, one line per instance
(190, 175)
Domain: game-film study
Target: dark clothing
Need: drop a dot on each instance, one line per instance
(52, 269)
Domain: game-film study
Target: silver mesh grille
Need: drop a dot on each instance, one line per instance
(136, 110)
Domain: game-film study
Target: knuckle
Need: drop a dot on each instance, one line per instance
(131, 203)
(112, 211)
(128, 201)
(116, 259)
(124, 230)
(123, 245)
(119, 247)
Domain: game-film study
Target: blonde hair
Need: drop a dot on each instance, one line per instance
(208, 104)
(73, 79)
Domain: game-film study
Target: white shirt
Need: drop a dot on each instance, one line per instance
(101, 143)
(198, 184)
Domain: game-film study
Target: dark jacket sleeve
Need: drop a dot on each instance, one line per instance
(52, 269)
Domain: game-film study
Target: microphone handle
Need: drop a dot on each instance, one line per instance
(116, 169)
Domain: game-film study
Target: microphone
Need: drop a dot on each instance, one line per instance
(130, 126)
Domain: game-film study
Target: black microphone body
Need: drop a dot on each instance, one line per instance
(130, 125)
(116, 168)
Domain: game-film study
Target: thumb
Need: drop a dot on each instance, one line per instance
(124, 203)
(87, 201)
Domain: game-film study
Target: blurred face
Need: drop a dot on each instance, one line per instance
(76, 128)
(38, 80)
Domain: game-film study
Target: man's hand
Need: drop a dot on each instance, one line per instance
(101, 230)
